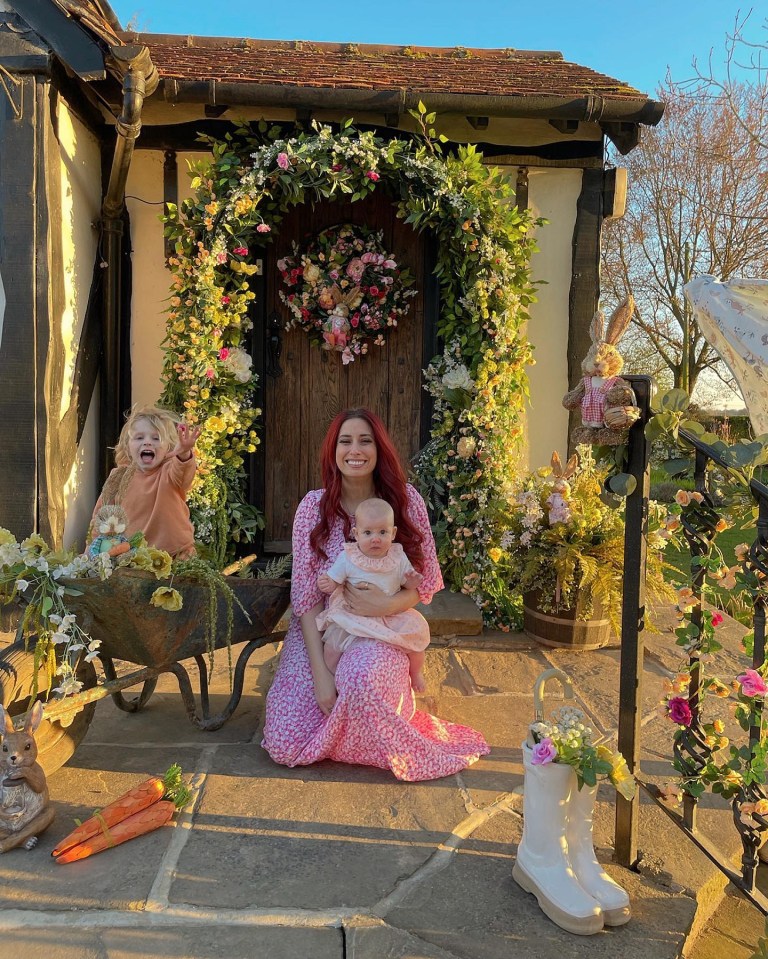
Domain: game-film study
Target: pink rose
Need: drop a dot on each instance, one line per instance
(373, 290)
(373, 175)
(752, 683)
(240, 251)
(368, 257)
(225, 300)
(282, 161)
(389, 265)
(223, 353)
(263, 228)
(543, 752)
(221, 257)
(355, 269)
(679, 711)
(210, 373)
(717, 619)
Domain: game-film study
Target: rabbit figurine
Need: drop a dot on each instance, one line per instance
(608, 405)
(558, 500)
(25, 810)
(108, 527)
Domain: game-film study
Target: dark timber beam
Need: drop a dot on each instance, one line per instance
(18, 326)
(585, 278)
(71, 43)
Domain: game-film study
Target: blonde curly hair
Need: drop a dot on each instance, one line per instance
(164, 421)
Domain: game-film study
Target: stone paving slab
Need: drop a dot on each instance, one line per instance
(301, 825)
(215, 941)
(504, 921)
(115, 879)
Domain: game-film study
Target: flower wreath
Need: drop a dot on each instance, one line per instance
(344, 289)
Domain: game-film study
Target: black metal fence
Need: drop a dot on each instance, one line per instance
(691, 749)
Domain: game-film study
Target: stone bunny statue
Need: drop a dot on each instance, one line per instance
(25, 811)
(608, 405)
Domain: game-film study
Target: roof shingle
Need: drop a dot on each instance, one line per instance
(421, 70)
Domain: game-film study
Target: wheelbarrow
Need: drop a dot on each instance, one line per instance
(118, 613)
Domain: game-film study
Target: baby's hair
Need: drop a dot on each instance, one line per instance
(375, 507)
(164, 421)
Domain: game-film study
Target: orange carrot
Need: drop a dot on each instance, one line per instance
(133, 801)
(149, 819)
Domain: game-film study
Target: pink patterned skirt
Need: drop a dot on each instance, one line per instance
(374, 722)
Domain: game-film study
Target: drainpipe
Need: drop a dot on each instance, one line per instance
(139, 81)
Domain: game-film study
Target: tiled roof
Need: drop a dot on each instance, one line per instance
(366, 67)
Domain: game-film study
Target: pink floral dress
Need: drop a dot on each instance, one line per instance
(375, 721)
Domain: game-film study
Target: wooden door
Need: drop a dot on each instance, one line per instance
(314, 384)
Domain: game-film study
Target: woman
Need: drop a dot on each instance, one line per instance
(365, 714)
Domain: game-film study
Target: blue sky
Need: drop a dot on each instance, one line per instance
(633, 42)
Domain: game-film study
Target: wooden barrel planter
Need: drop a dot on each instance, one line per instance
(562, 629)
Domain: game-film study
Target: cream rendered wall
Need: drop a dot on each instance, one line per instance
(151, 279)
(80, 166)
(552, 194)
(144, 199)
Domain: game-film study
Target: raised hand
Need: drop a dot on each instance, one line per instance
(188, 434)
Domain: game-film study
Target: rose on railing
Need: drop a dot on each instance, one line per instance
(345, 290)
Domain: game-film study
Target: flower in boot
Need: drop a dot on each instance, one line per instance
(544, 752)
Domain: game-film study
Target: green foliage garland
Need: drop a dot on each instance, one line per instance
(484, 246)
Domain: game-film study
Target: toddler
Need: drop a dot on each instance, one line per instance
(374, 559)
(155, 468)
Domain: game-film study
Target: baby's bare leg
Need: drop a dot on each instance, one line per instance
(417, 676)
(331, 657)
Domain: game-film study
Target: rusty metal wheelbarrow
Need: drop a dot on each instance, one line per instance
(117, 612)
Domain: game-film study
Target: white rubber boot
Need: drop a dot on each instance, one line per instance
(542, 866)
(613, 900)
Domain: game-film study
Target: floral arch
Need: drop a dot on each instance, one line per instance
(478, 382)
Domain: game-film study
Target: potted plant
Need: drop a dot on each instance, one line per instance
(562, 547)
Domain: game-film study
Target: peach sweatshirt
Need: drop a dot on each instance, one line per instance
(155, 503)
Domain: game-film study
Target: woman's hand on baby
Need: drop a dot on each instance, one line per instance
(188, 434)
(325, 691)
(366, 600)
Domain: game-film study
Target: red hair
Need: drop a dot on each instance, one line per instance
(388, 480)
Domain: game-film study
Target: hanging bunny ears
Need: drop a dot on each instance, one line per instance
(570, 466)
(617, 325)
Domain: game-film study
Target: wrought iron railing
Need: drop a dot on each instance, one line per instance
(692, 749)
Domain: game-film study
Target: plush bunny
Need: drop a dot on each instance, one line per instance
(25, 811)
(108, 528)
(608, 405)
(558, 500)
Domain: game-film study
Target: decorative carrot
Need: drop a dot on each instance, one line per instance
(140, 797)
(149, 819)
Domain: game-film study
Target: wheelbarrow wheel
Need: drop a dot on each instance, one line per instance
(55, 743)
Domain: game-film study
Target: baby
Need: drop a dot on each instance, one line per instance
(155, 468)
(373, 559)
